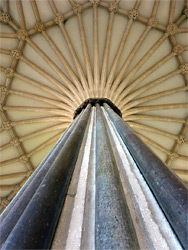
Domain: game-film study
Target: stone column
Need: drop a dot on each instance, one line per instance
(168, 189)
(22, 199)
(36, 225)
(113, 224)
(93, 177)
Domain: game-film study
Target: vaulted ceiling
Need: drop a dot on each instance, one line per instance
(55, 54)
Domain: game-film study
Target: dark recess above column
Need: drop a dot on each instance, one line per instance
(93, 101)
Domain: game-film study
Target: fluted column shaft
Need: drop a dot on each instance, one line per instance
(36, 226)
(116, 208)
(22, 199)
(168, 189)
(114, 228)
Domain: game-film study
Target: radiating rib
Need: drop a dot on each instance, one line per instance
(86, 53)
(182, 30)
(74, 57)
(56, 69)
(21, 14)
(36, 133)
(15, 190)
(66, 100)
(154, 144)
(140, 18)
(39, 120)
(47, 25)
(85, 5)
(5, 51)
(180, 171)
(58, 52)
(8, 35)
(45, 88)
(128, 61)
(84, 44)
(122, 44)
(179, 58)
(117, 57)
(41, 99)
(133, 52)
(13, 25)
(154, 118)
(120, 94)
(176, 145)
(38, 109)
(14, 175)
(45, 144)
(6, 187)
(106, 53)
(66, 65)
(153, 97)
(171, 11)
(53, 6)
(10, 161)
(43, 131)
(183, 157)
(127, 79)
(146, 87)
(1, 130)
(71, 48)
(72, 97)
(181, 19)
(96, 51)
(152, 129)
(35, 10)
(5, 118)
(5, 146)
(6, 6)
(183, 16)
(155, 107)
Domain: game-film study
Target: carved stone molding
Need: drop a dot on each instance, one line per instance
(184, 68)
(182, 139)
(6, 125)
(16, 53)
(16, 189)
(24, 158)
(5, 18)
(1, 108)
(172, 29)
(15, 142)
(9, 72)
(185, 11)
(58, 18)
(173, 156)
(113, 7)
(29, 173)
(94, 2)
(22, 34)
(77, 8)
(4, 202)
(152, 22)
(39, 27)
(3, 90)
(133, 14)
(178, 49)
